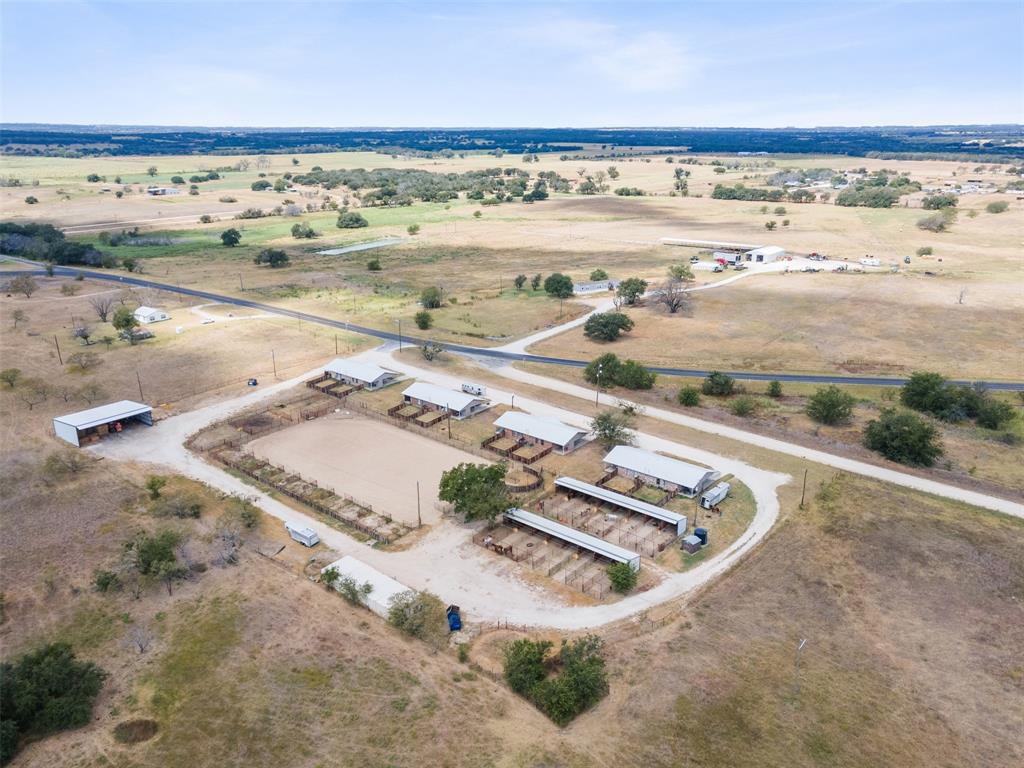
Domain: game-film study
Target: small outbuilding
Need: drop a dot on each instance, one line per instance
(766, 254)
(86, 427)
(383, 590)
(691, 544)
(461, 405)
(147, 315)
(537, 430)
(366, 375)
(660, 471)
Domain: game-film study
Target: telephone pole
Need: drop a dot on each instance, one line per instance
(273, 358)
(139, 380)
(419, 518)
(57, 345)
(803, 490)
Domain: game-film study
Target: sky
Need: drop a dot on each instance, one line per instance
(495, 64)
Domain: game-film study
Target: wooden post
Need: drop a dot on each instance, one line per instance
(803, 490)
(335, 343)
(273, 358)
(419, 519)
(139, 380)
(57, 344)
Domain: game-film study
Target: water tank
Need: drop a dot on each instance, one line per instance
(702, 534)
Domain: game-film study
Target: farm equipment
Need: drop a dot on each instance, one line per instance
(454, 618)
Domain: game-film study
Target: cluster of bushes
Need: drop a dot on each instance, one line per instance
(743, 192)
(630, 192)
(881, 189)
(400, 186)
(44, 242)
(933, 394)
(938, 202)
(196, 178)
(351, 220)
(43, 692)
(581, 680)
(275, 257)
(607, 371)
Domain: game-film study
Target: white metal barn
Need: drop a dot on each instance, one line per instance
(147, 315)
(540, 430)
(766, 254)
(548, 527)
(660, 471)
(88, 426)
(461, 404)
(662, 515)
(365, 374)
(385, 589)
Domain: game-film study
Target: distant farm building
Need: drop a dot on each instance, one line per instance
(660, 471)
(596, 286)
(460, 404)
(366, 375)
(147, 315)
(89, 426)
(385, 589)
(712, 244)
(766, 254)
(537, 430)
(162, 191)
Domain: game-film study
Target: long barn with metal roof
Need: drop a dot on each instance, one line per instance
(546, 526)
(622, 501)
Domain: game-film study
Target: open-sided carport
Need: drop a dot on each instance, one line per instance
(87, 426)
(548, 527)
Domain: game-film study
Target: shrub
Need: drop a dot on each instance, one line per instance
(45, 691)
(632, 375)
(303, 231)
(613, 427)
(413, 229)
(582, 682)
(938, 202)
(934, 223)
(430, 297)
(275, 257)
(180, 505)
(830, 405)
(231, 237)
(718, 383)
(32, 200)
(525, 664)
(260, 185)
(352, 220)
(744, 406)
(423, 320)
(206, 219)
(373, 265)
(608, 364)
(903, 437)
(994, 414)
(155, 484)
(598, 274)
(606, 326)
(354, 592)
(106, 581)
(925, 250)
(774, 389)
(688, 396)
(997, 206)
(418, 614)
(622, 577)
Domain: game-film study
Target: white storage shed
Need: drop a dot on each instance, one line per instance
(88, 426)
(460, 404)
(353, 372)
(385, 589)
(147, 315)
(766, 254)
(540, 430)
(660, 471)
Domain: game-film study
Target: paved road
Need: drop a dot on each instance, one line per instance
(497, 353)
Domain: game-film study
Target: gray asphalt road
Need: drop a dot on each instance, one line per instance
(805, 378)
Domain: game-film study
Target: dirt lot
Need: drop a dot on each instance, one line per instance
(373, 462)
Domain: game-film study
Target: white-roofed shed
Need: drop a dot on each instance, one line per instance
(81, 426)
(385, 589)
(660, 471)
(461, 404)
(539, 429)
(367, 375)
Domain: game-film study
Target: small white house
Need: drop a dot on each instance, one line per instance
(714, 495)
(594, 286)
(383, 590)
(303, 534)
(147, 315)
(766, 254)
(660, 471)
(360, 374)
(460, 404)
(538, 430)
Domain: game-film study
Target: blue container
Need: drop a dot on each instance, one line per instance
(454, 619)
(702, 534)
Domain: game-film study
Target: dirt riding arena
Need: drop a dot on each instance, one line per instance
(368, 460)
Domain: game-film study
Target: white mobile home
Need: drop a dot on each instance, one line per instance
(147, 315)
(89, 426)
(355, 373)
(660, 471)
(384, 588)
(537, 430)
(594, 286)
(460, 404)
(766, 254)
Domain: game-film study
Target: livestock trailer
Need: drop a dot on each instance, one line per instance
(305, 535)
(714, 495)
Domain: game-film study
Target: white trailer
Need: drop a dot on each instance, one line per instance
(306, 536)
(474, 389)
(714, 495)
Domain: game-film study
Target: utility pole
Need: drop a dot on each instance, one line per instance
(419, 519)
(335, 343)
(803, 490)
(399, 321)
(449, 410)
(139, 380)
(597, 386)
(796, 666)
(57, 345)
(240, 286)
(273, 357)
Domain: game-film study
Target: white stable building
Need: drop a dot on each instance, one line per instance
(765, 255)
(660, 471)
(89, 426)
(353, 372)
(384, 588)
(672, 519)
(147, 315)
(460, 404)
(538, 430)
(548, 527)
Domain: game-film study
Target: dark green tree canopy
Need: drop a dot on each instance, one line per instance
(477, 491)
(558, 285)
(606, 326)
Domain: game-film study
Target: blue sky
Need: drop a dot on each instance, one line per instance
(765, 64)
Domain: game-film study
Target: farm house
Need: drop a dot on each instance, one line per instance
(86, 427)
(147, 315)
(766, 254)
(596, 286)
(660, 471)
(548, 527)
(384, 587)
(359, 374)
(460, 404)
(536, 430)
